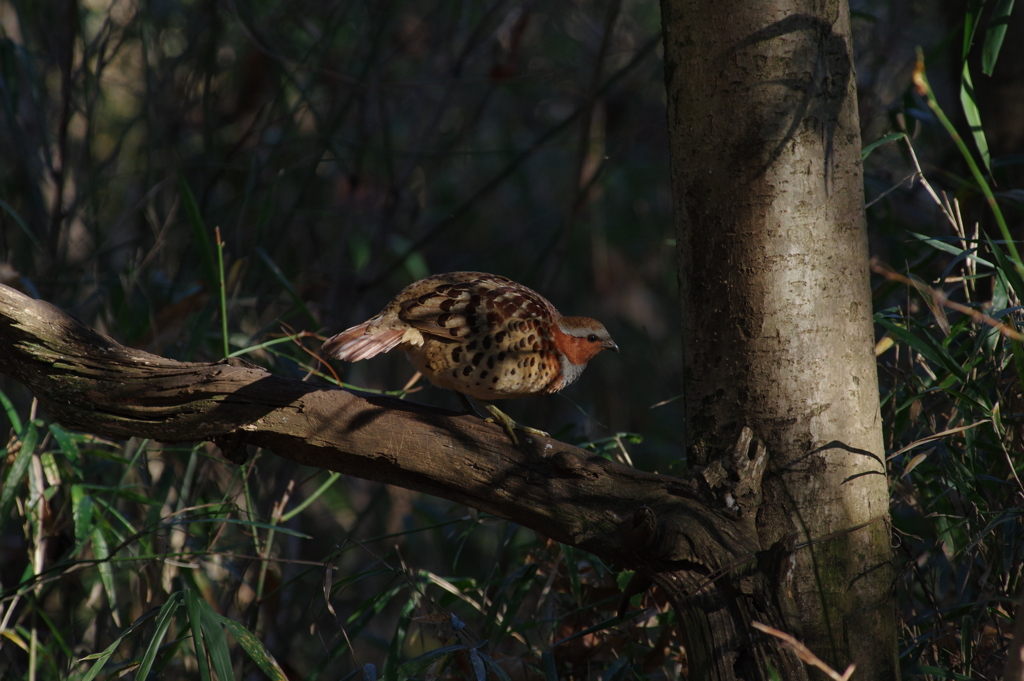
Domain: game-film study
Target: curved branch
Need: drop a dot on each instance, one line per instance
(656, 524)
(89, 382)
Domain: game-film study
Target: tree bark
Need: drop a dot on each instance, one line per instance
(665, 528)
(776, 303)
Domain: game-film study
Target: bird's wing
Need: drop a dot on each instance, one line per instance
(455, 310)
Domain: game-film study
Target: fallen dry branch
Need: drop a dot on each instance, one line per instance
(663, 527)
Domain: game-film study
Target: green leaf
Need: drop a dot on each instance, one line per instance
(12, 413)
(490, 663)
(167, 654)
(121, 492)
(16, 473)
(513, 592)
(618, 669)
(238, 521)
(55, 631)
(216, 642)
(547, 660)
(106, 570)
(972, 14)
(891, 137)
(1006, 517)
(479, 671)
(195, 621)
(255, 649)
(163, 623)
(936, 309)
(1008, 269)
(111, 514)
(310, 498)
(926, 346)
(921, 83)
(572, 566)
(994, 35)
(401, 633)
(102, 657)
(66, 442)
(971, 402)
(973, 116)
(419, 663)
(924, 670)
(362, 617)
(600, 626)
(1018, 359)
(81, 511)
(952, 249)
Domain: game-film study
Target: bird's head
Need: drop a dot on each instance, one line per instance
(581, 338)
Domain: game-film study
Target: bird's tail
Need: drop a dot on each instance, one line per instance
(361, 342)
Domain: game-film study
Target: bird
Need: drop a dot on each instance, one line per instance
(480, 335)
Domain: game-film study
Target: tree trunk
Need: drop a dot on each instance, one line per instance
(776, 304)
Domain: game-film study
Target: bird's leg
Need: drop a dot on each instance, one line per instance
(499, 417)
(507, 422)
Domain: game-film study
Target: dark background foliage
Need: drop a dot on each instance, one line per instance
(350, 148)
(344, 149)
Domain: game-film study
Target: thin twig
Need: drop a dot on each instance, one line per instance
(804, 654)
(934, 436)
(925, 183)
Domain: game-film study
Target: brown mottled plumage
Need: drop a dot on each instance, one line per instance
(480, 335)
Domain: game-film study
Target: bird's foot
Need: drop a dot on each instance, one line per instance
(510, 426)
(499, 417)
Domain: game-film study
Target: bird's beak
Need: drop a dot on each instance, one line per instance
(609, 345)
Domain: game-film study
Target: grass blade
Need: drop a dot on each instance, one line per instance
(925, 90)
(163, 623)
(216, 642)
(289, 289)
(102, 551)
(12, 413)
(254, 648)
(973, 116)
(926, 346)
(222, 293)
(195, 620)
(891, 137)
(994, 35)
(547, 660)
(81, 512)
(489, 662)
(17, 473)
(102, 657)
(199, 235)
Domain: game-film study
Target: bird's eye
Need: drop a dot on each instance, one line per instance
(592, 338)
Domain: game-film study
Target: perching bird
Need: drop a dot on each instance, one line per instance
(480, 335)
